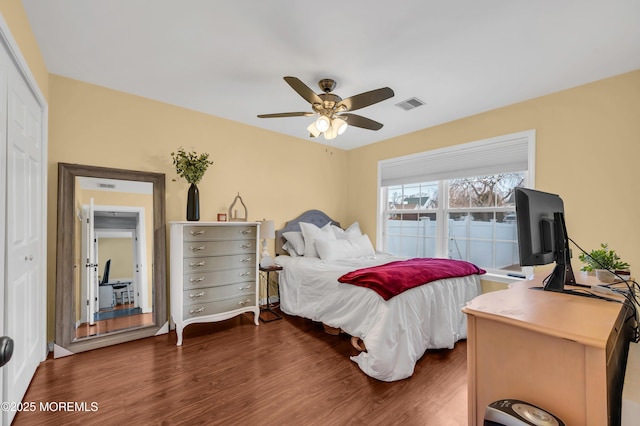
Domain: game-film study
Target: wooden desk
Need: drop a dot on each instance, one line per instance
(563, 353)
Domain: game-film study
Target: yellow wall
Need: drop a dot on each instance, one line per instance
(16, 18)
(120, 251)
(275, 174)
(587, 151)
(488, 285)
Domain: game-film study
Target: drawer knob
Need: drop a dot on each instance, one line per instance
(244, 302)
(196, 280)
(196, 295)
(196, 233)
(245, 274)
(195, 265)
(247, 287)
(197, 248)
(196, 311)
(246, 232)
(245, 246)
(248, 259)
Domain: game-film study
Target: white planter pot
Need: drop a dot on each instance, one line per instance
(605, 276)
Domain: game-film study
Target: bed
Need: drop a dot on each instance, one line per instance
(394, 333)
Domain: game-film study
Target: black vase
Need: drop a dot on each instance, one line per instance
(193, 203)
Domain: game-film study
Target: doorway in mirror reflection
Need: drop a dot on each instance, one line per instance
(114, 235)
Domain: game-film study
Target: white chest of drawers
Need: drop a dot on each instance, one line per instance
(214, 271)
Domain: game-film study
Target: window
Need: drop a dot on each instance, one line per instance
(435, 204)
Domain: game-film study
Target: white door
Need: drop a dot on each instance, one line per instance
(142, 277)
(25, 275)
(3, 187)
(89, 293)
(135, 285)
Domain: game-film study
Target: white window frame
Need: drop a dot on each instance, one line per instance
(457, 150)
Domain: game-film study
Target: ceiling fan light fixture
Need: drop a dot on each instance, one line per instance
(331, 109)
(323, 123)
(340, 125)
(330, 133)
(313, 130)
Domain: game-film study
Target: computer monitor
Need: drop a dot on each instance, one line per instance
(542, 235)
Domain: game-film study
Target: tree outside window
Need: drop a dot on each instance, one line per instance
(476, 222)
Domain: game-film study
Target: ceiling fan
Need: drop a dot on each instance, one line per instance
(332, 109)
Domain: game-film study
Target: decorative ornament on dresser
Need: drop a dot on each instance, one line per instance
(233, 210)
(191, 167)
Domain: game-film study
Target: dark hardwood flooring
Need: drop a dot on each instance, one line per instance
(286, 372)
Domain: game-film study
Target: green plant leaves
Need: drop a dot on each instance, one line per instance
(190, 166)
(602, 258)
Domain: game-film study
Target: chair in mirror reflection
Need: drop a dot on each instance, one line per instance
(105, 292)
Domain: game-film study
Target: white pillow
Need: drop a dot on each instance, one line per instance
(311, 234)
(295, 241)
(289, 249)
(350, 232)
(345, 249)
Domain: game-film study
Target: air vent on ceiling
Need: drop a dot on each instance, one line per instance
(106, 185)
(410, 103)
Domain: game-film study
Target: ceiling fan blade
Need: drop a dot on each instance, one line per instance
(303, 90)
(287, 114)
(362, 122)
(365, 99)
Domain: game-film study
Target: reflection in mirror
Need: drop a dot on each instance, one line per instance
(111, 281)
(118, 214)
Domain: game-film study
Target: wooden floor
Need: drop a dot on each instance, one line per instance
(114, 324)
(286, 372)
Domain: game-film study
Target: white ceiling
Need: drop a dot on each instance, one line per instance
(227, 58)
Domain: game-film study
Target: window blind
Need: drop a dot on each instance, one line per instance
(503, 154)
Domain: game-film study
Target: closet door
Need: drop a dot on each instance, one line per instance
(4, 64)
(24, 293)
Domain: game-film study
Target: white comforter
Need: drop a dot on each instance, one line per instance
(396, 332)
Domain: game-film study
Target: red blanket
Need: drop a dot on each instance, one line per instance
(393, 278)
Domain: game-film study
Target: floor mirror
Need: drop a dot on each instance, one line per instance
(111, 257)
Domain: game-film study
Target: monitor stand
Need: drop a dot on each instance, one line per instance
(563, 272)
(562, 275)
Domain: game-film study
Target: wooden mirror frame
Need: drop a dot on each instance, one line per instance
(65, 343)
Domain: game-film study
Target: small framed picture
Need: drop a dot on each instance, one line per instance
(222, 217)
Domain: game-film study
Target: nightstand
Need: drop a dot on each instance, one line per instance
(274, 315)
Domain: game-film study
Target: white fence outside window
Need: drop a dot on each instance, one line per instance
(486, 244)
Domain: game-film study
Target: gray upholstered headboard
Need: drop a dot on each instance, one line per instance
(315, 217)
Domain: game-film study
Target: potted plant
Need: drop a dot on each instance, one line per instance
(603, 261)
(191, 167)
